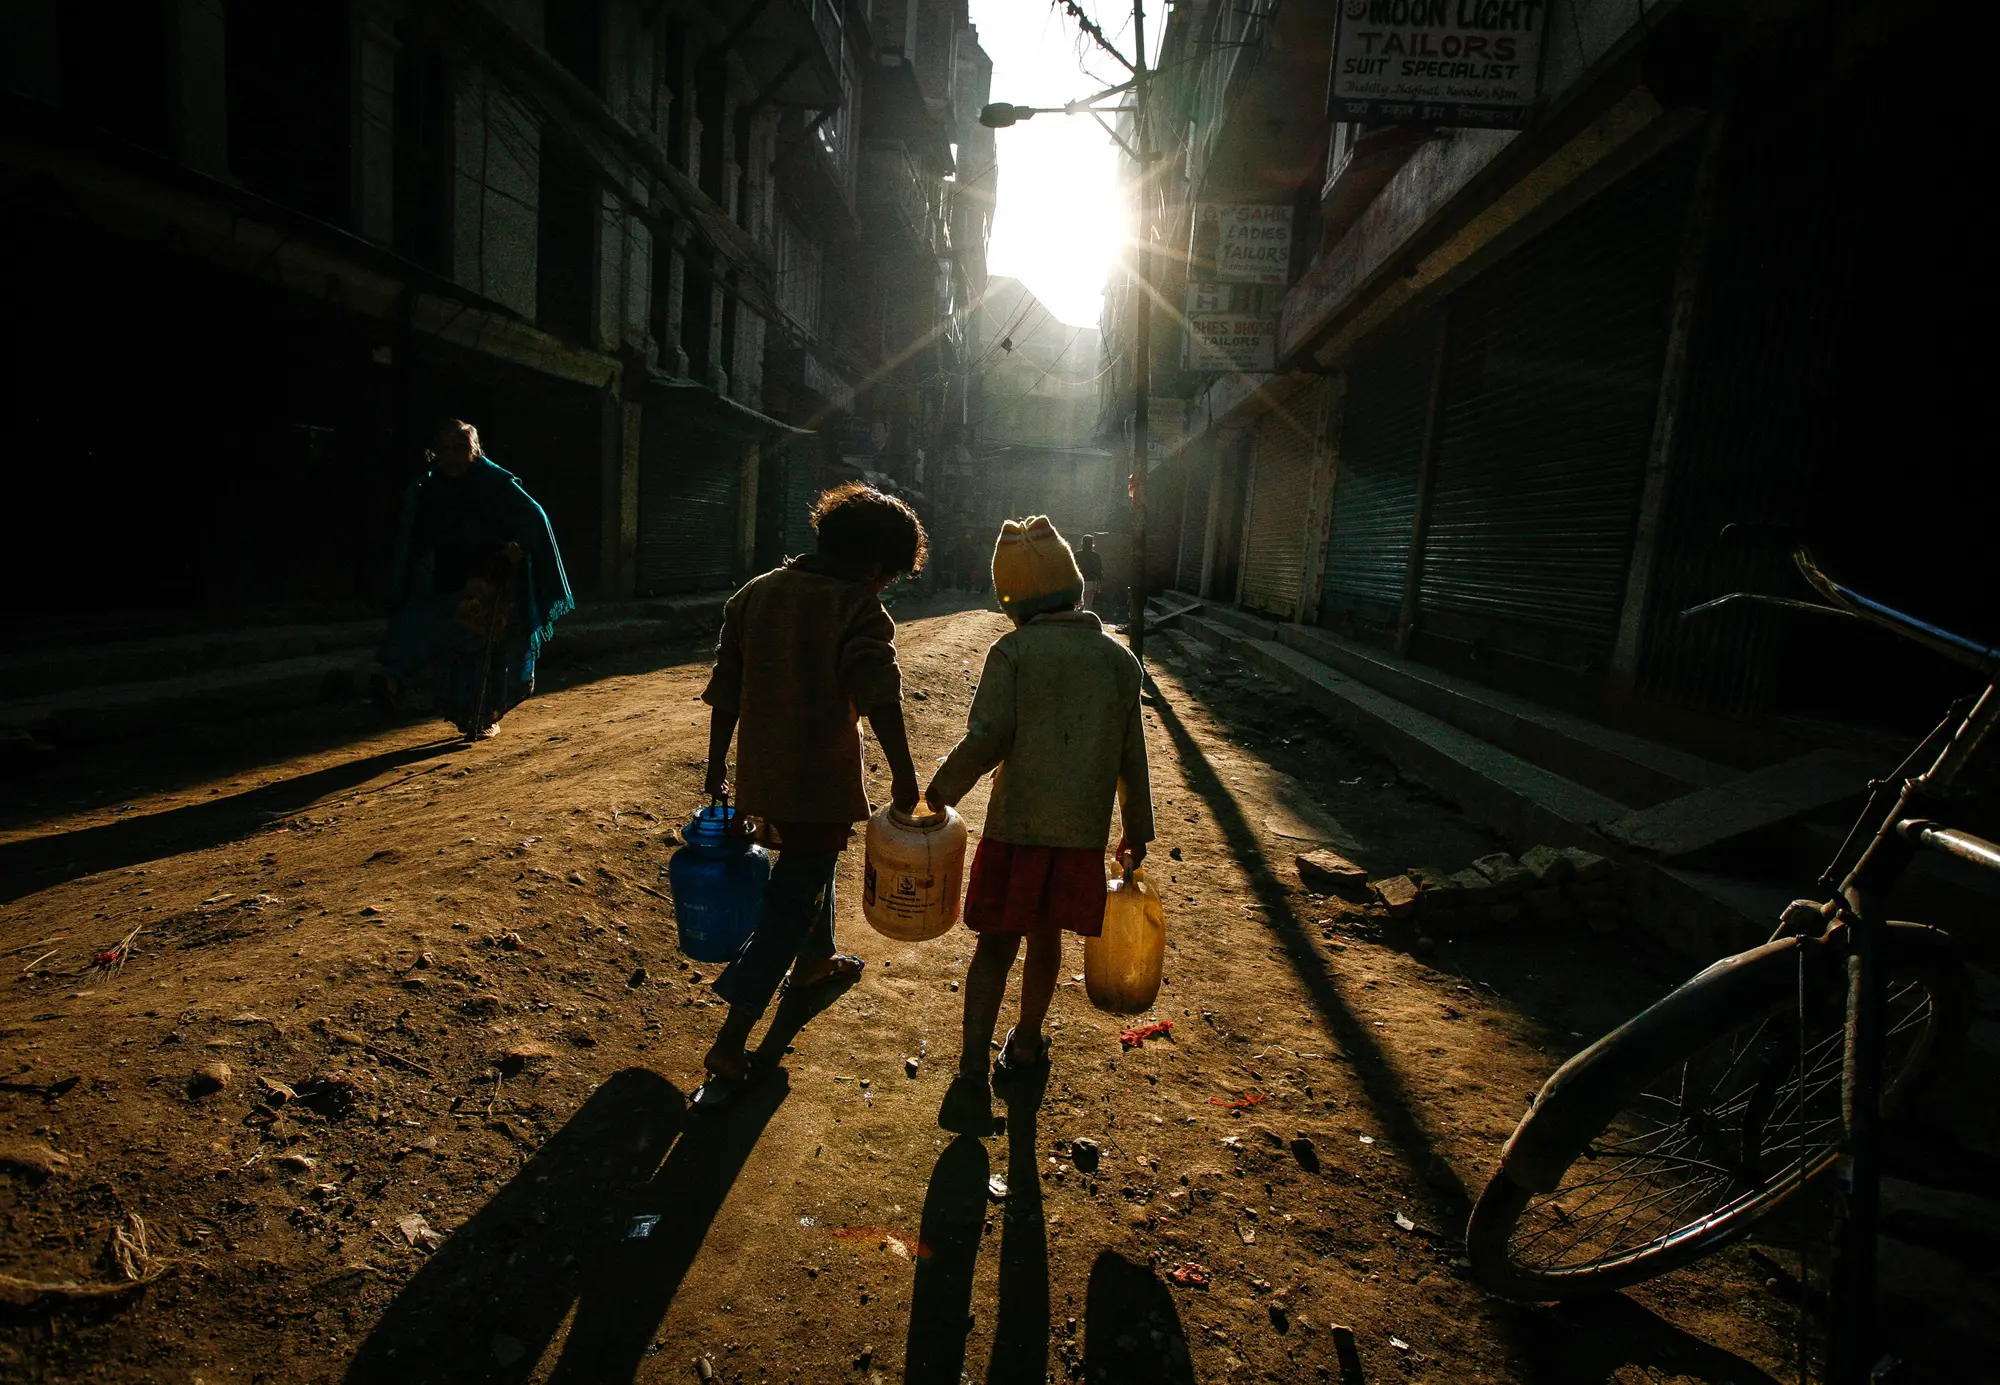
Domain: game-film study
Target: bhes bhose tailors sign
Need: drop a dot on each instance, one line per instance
(1438, 62)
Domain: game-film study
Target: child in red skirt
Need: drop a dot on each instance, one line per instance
(1057, 719)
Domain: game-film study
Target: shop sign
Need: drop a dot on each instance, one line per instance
(1243, 242)
(1232, 341)
(1438, 62)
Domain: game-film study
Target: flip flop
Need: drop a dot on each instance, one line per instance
(1007, 1067)
(718, 1093)
(847, 969)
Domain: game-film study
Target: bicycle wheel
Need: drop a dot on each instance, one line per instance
(1676, 1133)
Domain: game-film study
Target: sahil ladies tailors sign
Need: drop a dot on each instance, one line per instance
(1438, 62)
(1236, 245)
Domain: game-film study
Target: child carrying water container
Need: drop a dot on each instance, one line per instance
(806, 651)
(1057, 718)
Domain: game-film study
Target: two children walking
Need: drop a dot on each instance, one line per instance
(806, 651)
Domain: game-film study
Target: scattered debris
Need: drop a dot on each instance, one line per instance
(1136, 1038)
(1190, 1275)
(1240, 1103)
(1085, 1154)
(296, 1163)
(703, 1370)
(910, 1066)
(641, 1226)
(996, 1188)
(112, 959)
(418, 1233)
(128, 1249)
(1399, 1344)
(47, 1091)
(1403, 1220)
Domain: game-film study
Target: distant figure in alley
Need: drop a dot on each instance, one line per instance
(475, 587)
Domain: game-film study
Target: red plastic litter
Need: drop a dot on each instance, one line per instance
(1192, 1275)
(1135, 1038)
(1240, 1103)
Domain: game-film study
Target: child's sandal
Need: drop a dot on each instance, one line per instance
(1009, 1064)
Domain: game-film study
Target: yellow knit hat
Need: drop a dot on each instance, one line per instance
(1033, 569)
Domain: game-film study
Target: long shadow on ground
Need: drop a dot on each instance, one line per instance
(1021, 1321)
(1132, 1332)
(1391, 1100)
(597, 1222)
(35, 863)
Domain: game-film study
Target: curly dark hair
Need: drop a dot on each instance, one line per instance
(859, 524)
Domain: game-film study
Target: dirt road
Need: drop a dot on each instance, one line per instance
(452, 1140)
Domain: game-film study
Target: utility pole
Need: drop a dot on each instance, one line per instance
(1142, 345)
(1001, 114)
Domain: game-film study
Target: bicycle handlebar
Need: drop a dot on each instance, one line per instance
(1852, 605)
(1951, 841)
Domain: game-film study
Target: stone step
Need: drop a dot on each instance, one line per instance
(1522, 801)
(1686, 827)
(123, 709)
(1629, 768)
(42, 671)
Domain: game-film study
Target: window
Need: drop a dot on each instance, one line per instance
(568, 214)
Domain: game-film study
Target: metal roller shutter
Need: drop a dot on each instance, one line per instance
(1375, 488)
(802, 488)
(1274, 549)
(1551, 376)
(690, 486)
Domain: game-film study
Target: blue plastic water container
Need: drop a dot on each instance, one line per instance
(717, 879)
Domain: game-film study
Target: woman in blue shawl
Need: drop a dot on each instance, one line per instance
(475, 587)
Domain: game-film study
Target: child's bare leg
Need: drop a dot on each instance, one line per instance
(985, 988)
(725, 1058)
(1038, 985)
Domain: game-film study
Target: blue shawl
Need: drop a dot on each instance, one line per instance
(487, 504)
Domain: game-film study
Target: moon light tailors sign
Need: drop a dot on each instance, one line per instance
(1230, 331)
(1243, 243)
(1438, 62)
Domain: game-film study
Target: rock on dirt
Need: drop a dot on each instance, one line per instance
(208, 1079)
(1398, 893)
(1329, 872)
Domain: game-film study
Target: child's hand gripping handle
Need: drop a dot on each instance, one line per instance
(1129, 858)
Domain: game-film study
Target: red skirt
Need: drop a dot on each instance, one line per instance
(1030, 889)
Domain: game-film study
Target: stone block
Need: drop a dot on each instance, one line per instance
(1474, 887)
(1548, 864)
(1588, 865)
(1505, 872)
(1329, 872)
(1436, 886)
(1399, 895)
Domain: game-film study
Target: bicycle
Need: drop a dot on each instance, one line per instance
(1675, 1134)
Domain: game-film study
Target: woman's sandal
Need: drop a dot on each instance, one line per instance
(719, 1092)
(1010, 1065)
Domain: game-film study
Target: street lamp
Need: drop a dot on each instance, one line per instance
(1002, 114)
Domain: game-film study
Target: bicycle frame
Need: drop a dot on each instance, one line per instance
(1899, 834)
